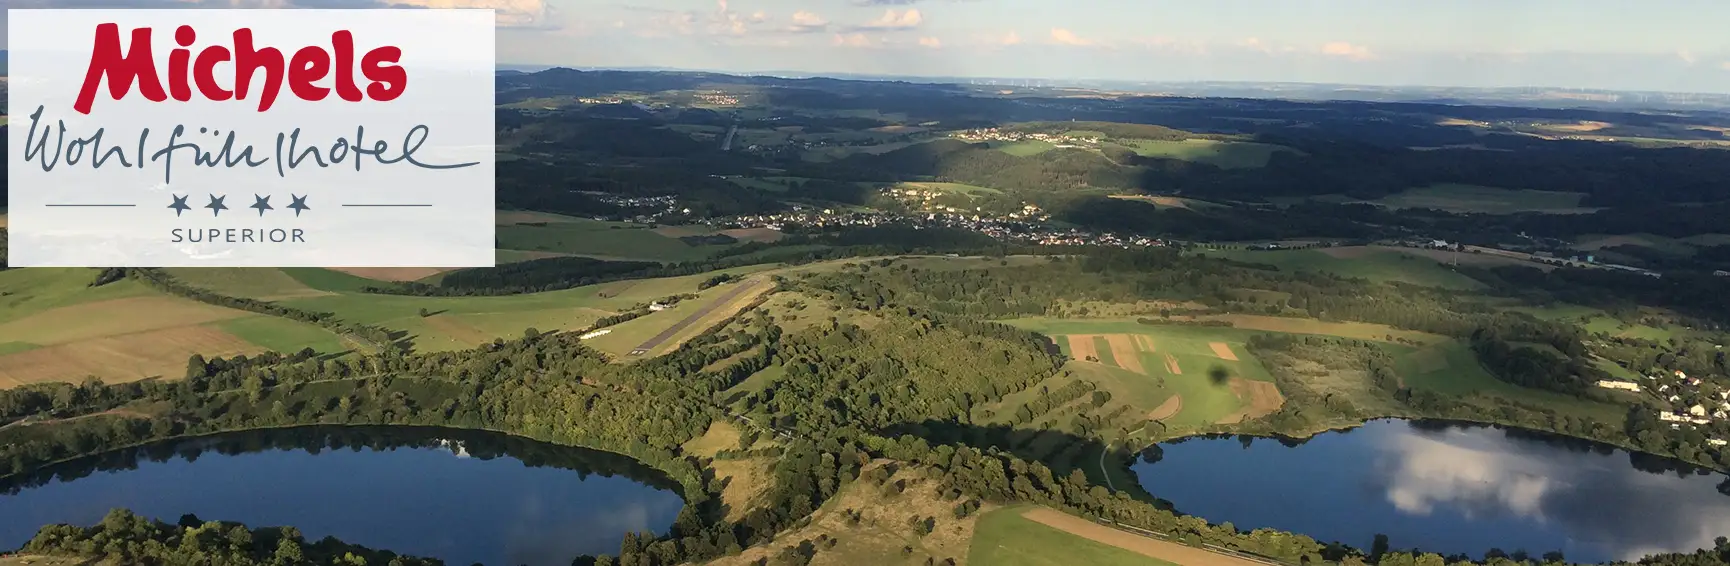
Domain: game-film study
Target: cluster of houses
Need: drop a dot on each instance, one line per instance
(994, 134)
(716, 98)
(1697, 408)
(1026, 226)
(925, 200)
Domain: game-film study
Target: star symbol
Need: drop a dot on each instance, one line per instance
(179, 205)
(262, 204)
(216, 207)
(299, 204)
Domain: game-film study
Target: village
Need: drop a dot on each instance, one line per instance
(1692, 401)
(1026, 227)
(994, 134)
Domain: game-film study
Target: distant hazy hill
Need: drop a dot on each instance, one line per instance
(2, 62)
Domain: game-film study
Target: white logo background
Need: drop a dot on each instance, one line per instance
(383, 215)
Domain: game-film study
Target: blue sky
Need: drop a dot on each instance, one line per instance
(1675, 45)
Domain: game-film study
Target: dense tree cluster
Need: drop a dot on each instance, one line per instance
(126, 538)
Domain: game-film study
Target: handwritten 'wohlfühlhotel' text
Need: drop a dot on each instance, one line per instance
(51, 145)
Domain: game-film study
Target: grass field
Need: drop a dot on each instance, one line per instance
(1171, 202)
(1680, 247)
(588, 237)
(1224, 154)
(1598, 322)
(1451, 368)
(54, 327)
(264, 284)
(1381, 265)
(465, 322)
(1005, 537)
(1487, 200)
(1024, 148)
(1206, 368)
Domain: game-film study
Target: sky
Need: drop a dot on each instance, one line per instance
(1662, 45)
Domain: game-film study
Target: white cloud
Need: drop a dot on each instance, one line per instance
(1066, 37)
(893, 19)
(931, 42)
(1686, 56)
(805, 22)
(855, 40)
(509, 13)
(1347, 50)
(1011, 39)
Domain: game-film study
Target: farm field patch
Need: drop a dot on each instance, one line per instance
(121, 357)
(1486, 200)
(261, 283)
(1451, 368)
(1380, 265)
(1022, 536)
(1223, 154)
(1185, 363)
(587, 237)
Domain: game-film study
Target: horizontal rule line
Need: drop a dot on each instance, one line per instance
(378, 205)
(89, 205)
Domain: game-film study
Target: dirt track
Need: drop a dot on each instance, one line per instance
(1171, 365)
(1145, 546)
(1170, 408)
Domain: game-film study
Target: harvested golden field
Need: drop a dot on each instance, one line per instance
(1081, 347)
(1222, 350)
(754, 234)
(1124, 351)
(112, 318)
(126, 357)
(393, 273)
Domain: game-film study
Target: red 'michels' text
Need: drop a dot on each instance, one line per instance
(301, 72)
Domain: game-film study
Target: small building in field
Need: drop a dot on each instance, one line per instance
(1615, 384)
(659, 306)
(594, 334)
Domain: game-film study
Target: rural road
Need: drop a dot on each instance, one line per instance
(653, 342)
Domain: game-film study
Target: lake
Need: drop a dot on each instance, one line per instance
(1446, 488)
(460, 496)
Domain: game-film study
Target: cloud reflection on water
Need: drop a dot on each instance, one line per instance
(1597, 500)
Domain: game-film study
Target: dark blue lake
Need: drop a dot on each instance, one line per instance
(461, 496)
(1447, 488)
